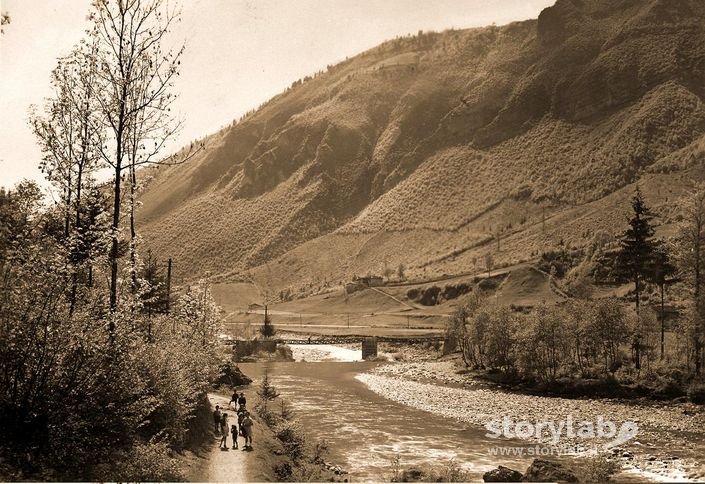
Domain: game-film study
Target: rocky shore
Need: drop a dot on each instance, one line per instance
(669, 444)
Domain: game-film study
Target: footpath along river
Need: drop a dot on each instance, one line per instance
(371, 412)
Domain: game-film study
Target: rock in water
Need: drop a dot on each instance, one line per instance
(542, 470)
(502, 474)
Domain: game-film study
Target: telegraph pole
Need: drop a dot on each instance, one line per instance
(168, 286)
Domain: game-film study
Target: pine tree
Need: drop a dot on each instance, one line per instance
(636, 258)
(267, 392)
(267, 330)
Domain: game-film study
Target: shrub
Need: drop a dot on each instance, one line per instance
(429, 297)
(291, 435)
(284, 352)
(231, 376)
(144, 462)
(283, 472)
(696, 392)
(599, 469)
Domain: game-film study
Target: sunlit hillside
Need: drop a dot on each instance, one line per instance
(426, 149)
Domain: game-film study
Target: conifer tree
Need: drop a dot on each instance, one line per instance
(267, 392)
(636, 258)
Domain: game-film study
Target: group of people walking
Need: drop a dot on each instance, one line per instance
(243, 427)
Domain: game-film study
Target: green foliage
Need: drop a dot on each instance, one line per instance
(433, 295)
(598, 469)
(292, 437)
(546, 343)
(447, 472)
(637, 245)
(267, 330)
(559, 262)
(75, 402)
(267, 392)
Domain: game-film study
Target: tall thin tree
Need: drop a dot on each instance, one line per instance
(662, 274)
(691, 264)
(66, 131)
(136, 79)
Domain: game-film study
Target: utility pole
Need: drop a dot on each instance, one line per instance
(348, 320)
(168, 286)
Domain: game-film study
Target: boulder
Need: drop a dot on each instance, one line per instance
(502, 474)
(542, 470)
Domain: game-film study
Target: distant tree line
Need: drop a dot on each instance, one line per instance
(595, 338)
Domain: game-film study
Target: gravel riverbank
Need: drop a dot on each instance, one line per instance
(669, 445)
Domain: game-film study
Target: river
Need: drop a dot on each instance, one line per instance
(366, 431)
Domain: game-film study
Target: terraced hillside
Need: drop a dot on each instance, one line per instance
(427, 149)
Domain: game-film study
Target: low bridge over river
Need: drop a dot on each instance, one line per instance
(347, 339)
(368, 343)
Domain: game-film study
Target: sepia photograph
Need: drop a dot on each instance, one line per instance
(352, 241)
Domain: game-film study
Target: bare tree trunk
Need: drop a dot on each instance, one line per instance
(663, 324)
(637, 338)
(114, 244)
(133, 230)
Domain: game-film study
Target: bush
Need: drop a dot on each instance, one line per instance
(291, 435)
(488, 284)
(453, 291)
(599, 469)
(448, 472)
(696, 392)
(284, 352)
(429, 296)
(231, 376)
(144, 462)
(283, 472)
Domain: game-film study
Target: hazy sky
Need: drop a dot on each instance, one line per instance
(239, 52)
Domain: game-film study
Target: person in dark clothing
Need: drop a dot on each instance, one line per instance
(233, 399)
(216, 419)
(240, 418)
(242, 401)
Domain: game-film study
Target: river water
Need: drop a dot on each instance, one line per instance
(365, 431)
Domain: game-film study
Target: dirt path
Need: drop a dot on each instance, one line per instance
(226, 466)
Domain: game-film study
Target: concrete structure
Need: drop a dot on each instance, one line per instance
(369, 348)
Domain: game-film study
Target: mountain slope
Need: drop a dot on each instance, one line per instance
(422, 150)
